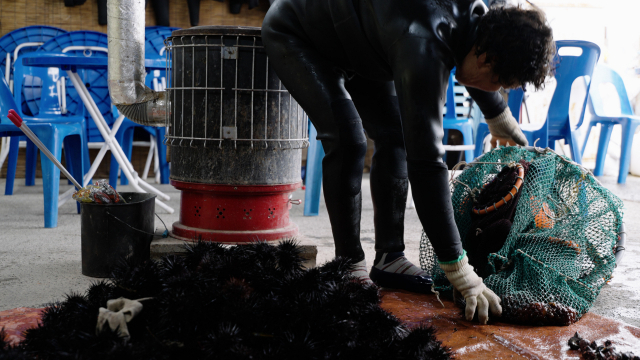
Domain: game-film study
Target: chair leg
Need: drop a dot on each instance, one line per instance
(313, 177)
(12, 164)
(444, 142)
(481, 133)
(162, 156)
(576, 155)
(50, 175)
(86, 159)
(150, 158)
(30, 164)
(586, 139)
(68, 158)
(603, 145)
(313, 181)
(625, 151)
(75, 163)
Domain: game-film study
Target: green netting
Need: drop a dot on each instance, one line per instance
(559, 251)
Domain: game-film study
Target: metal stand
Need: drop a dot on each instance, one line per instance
(111, 144)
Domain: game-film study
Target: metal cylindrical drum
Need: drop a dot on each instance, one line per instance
(235, 137)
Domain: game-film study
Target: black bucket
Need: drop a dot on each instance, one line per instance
(115, 231)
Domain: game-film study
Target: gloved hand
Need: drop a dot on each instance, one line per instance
(471, 287)
(505, 129)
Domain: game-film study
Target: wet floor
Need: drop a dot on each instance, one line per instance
(498, 340)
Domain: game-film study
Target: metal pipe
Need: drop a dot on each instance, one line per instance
(126, 65)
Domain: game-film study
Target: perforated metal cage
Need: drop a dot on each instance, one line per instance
(223, 91)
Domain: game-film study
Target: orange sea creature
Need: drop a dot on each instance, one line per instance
(543, 215)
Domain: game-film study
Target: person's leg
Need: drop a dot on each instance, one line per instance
(377, 104)
(318, 86)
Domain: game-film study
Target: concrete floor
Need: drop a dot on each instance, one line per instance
(39, 265)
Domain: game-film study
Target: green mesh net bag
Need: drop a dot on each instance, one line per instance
(549, 249)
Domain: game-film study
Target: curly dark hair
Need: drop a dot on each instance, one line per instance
(519, 45)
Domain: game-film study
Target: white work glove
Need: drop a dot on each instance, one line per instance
(471, 287)
(117, 314)
(505, 129)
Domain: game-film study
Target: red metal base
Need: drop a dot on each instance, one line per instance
(234, 213)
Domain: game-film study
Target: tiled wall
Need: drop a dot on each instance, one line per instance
(15, 14)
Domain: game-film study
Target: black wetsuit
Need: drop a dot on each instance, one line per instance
(379, 66)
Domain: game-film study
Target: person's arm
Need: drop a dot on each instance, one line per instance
(420, 76)
(503, 126)
(490, 103)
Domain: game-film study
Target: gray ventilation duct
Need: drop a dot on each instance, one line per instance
(126, 20)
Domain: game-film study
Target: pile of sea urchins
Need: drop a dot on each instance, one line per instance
(230, 302)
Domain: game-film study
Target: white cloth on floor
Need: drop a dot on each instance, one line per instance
(117, 314)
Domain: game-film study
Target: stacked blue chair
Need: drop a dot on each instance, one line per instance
(454, 118)
(154, 49)
(53, 133)
(90, 44)
(515, 102)
(627, 119)
(12, 45)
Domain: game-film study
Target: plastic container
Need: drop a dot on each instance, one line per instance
(111, 232)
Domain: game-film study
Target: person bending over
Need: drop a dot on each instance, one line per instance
(382, 66)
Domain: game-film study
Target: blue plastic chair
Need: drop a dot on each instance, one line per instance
(569, 68)
(154, 45)
(44, 107)
(53, 135)
(627, 119)
(557, 126)
(24, 40)
(95, 78)
(452, 121)
(514, 103)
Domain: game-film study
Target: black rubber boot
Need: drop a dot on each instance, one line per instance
(414, 283)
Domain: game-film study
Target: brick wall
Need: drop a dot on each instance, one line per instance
(15, 14)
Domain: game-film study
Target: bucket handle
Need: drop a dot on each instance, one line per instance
(164, 234)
